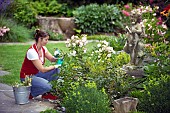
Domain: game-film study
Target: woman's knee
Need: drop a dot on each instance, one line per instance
(47, 87)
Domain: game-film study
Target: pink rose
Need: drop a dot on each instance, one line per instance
(150, 1)
(125, 13)
(127, 6)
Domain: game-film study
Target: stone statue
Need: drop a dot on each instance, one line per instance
(134, 45)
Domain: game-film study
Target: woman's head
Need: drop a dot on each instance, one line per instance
(39, 34)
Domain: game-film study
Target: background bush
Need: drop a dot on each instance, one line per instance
(87, 2)
(25, 12)
(55, 36)
(96, 18)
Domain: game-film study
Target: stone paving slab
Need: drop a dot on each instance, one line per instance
(7, 102)
(2, 73)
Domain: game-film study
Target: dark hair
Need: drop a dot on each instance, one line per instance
(40, 34)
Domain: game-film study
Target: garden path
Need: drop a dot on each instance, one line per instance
(7, 103)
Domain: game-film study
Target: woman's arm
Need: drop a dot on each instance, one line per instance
(50, 57)
(40, 67)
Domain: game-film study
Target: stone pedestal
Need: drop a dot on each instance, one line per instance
(125, 105)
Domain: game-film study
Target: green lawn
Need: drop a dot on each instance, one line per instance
(12, 56)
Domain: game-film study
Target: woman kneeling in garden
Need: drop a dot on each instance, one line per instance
(33, 66)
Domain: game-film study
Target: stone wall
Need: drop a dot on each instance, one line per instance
(64, 26)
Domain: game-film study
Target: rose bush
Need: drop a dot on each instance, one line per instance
(100, 64)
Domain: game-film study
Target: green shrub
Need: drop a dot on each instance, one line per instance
(155, 96)
(17, 33)
(24, 13)
(137, 112)
(52, 8)
(95, 18)
(117, 42)
(87, 99)
(50, 111)
(55, 36)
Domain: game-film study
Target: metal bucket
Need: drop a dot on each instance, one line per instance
(21, 94)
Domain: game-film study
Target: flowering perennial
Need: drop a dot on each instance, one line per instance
(166, 11)
(154, 26)
(77, 44)
(103, 51)
(3, 30)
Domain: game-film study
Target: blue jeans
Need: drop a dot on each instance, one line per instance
(40, 82)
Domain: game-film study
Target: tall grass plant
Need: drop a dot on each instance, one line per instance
(17, 33)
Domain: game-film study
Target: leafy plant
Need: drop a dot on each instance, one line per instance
(155, 96)
(55, 36)
(24, 13)
(26, 82)
(117, 42)
(87, 99)
(50, 111)
(95, 18)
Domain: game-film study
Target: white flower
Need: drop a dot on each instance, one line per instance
(109, 55)
(73, 53)
(72, 37)
(77, 41)
(85, 43)
(76, 37)
(60, 80)
(98, 45)
(164, 26)
(74, 44)
(114, 52)
(156, 7)
(68, 41)
(100, 50)
(85, 50)
(84, 39)
(106, 43)
(109, 49)
(99, 56)
(96, 51)
(150, 28)
(147, 7)
(154, 14)
(145, 20)
(80, 44)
